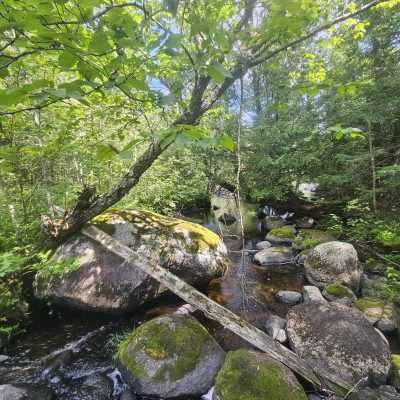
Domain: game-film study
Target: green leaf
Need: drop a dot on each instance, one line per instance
(104, 152)
(218, 72)
(67, 60)
(173, 41)
(100, 43)
(226, 142)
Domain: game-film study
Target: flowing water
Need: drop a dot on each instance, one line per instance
(63, 347)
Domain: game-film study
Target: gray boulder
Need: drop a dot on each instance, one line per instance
(333, 262)
(25, 392)
(382, 393)
(288, 297)
(263, 245)
(170, 356)
(105, 282)
(340, 340)
(274, 256)
(305, 222)
(312, 294)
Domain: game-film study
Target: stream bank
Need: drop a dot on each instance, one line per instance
(73, 352)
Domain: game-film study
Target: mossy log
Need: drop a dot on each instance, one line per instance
(215, 311)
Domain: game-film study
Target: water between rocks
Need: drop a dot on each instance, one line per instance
(63, 347)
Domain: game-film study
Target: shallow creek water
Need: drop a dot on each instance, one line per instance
(85, 343)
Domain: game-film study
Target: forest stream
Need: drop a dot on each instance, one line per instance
(73, 352)
(63, 348)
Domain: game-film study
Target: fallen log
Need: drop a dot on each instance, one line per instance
(225, 317)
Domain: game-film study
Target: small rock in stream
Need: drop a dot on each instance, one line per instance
(96, 387)
(3, 358)
(275, 327)
(311, 294)
(127, 395)
(263, 245)
(288, 297)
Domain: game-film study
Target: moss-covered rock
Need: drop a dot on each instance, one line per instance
(105, 282)
(378, 312)
(281, 236)
(339, 293)
(170, 356)
(249, 375)
(394, 378)
(284, 232)
(310, 238)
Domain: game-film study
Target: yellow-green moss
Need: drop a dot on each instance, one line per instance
(396, 361)
(180, 348)
(310, 238)
(202, 238)
(338, 290)
(244, 377)
(369, 302)
(283, 232)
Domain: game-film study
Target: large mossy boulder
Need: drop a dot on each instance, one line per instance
(333, 262)
(310, 238)
(251, 375)
(170, 356)
(105, 282)
(340, 340)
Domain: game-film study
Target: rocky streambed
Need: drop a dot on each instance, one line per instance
(298, 284)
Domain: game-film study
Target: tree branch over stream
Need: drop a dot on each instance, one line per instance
(203, 97)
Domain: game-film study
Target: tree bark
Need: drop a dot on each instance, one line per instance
(373, 165)
(215, 311)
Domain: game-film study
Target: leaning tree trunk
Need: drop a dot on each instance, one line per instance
(322, 380)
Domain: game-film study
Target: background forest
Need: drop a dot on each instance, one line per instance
(326, 111)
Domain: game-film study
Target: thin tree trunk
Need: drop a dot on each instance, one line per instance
(373, 165)
(215, 311)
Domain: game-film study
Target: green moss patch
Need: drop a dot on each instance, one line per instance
(246, 376)
(202, 238)
(396, 360)
(179, 344)
(338, 290)
(283, 232)
(310, 238)
(366, 303)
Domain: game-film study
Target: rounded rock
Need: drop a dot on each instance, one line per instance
(170, 356)
(333, 262)
(251, 375)
(340, 340)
